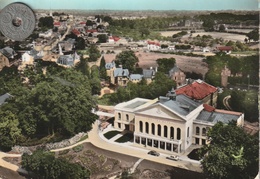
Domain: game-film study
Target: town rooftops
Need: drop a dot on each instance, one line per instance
(110, 65)
(197, 90)
(148, 73)
(8, 52)
(121, 72)
(66, 60)
(136, 77)
(153, 43)
(224, 48)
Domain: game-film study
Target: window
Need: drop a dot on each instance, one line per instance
(165, 131)
(178, 134)
(119, 125)
(147, 127)
(203, 142)
(188, 132)
(172, 132)
(159, 130)
(204, 132)
(140, 126)
(119, 116)
(197, 131)
(127, 117)
(197, 140)
(153, 128)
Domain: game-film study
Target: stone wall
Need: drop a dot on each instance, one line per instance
(49, 146)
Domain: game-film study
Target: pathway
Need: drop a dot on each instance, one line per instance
(132, 170)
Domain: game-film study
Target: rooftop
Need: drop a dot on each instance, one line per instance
(182, 105)
(196, 90)
(4, 97)
(215, 117)
(133, 104)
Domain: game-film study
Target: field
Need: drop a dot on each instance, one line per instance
(185, 63)
(225, 36)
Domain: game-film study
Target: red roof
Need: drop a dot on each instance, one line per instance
(76, 32)
(208, 108)
(153, 43)
(83, 23)
(56, 23)
(225, 48)
(115, 38)
(92, 30)
(197, 90)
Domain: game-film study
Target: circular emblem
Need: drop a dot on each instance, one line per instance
(17, 21)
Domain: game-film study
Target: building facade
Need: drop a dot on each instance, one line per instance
(170, 123)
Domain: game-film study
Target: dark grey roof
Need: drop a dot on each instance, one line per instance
(214, 117)
(148, 73)
(121, 72)
(174, 70)
(8, 52)
(4, 97)
(110, 65)
(136, 77)
(181, 105)
(66, 60)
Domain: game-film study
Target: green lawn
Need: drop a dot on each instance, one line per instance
(111, 134)
(125, 138)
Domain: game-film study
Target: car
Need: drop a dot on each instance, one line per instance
(173, 157)
(152, 152)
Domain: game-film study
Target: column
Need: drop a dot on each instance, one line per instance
(165, 145)
(178, 148)
(134, 139)
(146, 142)
(162, 130)
(155, 130)
(169, 132)
(152, 142)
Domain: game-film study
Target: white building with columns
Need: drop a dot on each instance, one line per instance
(170, 123)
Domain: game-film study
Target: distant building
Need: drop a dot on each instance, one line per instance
(226, 49)
(4, 97)
(46, 34)
(68, 60)
(148, 75)
(135, 78)
(178, 76)
(6, 54)
(153, 46)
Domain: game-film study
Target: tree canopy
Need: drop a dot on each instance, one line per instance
(94, 53)
(45, 165)
(231, 154)
(127, 59)
(58, 102)
(165, 64)
(46, 22)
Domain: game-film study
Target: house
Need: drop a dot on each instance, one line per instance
(113, 39)
(76, 32)
(199, 91)
(153, 46)
(6, 54)
(170, 124)
(178, 76)
(135, 78)
(226, 49)
(68, 60)
(120, 77)
(46, 34)
(148, 75)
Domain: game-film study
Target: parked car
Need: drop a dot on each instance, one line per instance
(173, 157)
(152, 152)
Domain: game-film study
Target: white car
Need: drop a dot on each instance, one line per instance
(173, 157)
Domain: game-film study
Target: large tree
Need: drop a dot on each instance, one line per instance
(231, 154)
(253, 35)
(44, 165)
(102, 68)
(94, 53)
(165, 64)
(127, 59)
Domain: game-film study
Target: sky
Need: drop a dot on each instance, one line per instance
(139, 4)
